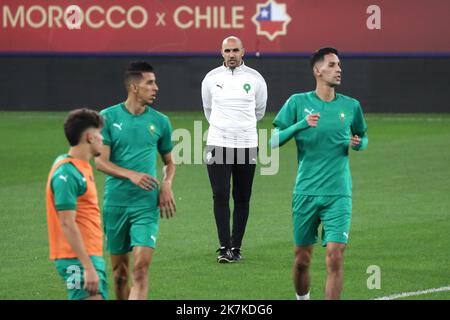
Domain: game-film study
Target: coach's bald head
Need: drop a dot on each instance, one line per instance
(232, 51)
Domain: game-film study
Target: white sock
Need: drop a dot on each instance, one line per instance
(305, 297)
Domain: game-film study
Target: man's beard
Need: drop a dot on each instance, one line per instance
(333, 85)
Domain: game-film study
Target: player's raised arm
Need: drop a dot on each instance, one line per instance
(281, 136)
(359, 140)
(359, 143)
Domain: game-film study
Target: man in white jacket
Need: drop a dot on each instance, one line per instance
(234, 99)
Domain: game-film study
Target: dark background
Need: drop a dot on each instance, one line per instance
(381, 84)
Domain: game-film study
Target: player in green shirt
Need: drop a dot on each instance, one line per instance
(324, 124)
(133, 135)
(73, 216)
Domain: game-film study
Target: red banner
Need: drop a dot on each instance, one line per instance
(198, 27)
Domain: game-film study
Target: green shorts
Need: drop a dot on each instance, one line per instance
(334, 212)
(128, 227)
(72, 271)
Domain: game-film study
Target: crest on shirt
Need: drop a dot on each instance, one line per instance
(342, 117)
(247, 87)
(152, 129)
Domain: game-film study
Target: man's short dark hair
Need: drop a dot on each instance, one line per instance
(135, 70)
(319, 55)
(79, 120)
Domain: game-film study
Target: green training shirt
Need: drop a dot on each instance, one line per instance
(135, 141)
(67, 185)
(322, 151)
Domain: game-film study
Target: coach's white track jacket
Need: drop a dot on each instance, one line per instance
(233, 101)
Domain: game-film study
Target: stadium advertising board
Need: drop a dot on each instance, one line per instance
(287, 27)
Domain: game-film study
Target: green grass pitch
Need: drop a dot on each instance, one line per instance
(401, 217)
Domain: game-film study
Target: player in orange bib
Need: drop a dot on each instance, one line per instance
(73, 215)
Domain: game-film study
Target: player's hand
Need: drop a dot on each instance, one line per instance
(91, 281)
(143, 180)
(313, 119)
(355, 141)
(166, 205)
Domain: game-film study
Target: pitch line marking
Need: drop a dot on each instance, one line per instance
(414, 293)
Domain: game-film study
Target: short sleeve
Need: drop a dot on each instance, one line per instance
(106, 133)
(165, 142)
(287, 116)
(67, 185)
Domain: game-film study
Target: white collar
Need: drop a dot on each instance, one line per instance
(235, 69)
